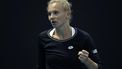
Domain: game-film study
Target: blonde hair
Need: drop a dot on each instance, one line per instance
(66, 5)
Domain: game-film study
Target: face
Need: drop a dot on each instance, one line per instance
(57, 15)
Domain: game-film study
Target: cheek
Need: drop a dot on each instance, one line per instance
(62, 17)
(49, 18)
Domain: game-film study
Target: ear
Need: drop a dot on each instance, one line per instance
(67, 15)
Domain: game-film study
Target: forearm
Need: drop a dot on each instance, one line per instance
(91, 64)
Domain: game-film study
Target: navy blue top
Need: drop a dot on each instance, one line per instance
(63, 54)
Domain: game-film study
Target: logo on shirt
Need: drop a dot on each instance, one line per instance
(70, 47)
(94, 51)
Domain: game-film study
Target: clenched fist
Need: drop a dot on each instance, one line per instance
(83, 56)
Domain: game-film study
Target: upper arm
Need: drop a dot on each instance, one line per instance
(41, 54)
(93, 52)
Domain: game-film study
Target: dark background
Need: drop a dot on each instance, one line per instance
(24, 19)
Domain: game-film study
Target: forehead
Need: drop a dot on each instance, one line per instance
(55, 6)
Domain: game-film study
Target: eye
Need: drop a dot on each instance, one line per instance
(49, 13)
(55, 12)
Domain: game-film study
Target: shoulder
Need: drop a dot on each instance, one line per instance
(82, 33)
(43, 33)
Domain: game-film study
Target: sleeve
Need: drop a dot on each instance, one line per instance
(93, 53)
(41, 54)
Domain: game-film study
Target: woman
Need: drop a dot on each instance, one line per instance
(64, 46)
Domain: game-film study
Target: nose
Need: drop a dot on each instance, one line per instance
(51, 16)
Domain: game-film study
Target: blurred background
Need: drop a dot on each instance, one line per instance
(25, 19)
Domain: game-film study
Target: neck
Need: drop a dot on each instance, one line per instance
(63, 32)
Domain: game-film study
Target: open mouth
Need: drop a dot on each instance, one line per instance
(53, 22)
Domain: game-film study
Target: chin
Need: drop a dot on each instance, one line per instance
(54, 26)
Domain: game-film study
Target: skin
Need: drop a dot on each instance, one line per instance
(59, 19)
(84, 57)
(57, 14)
